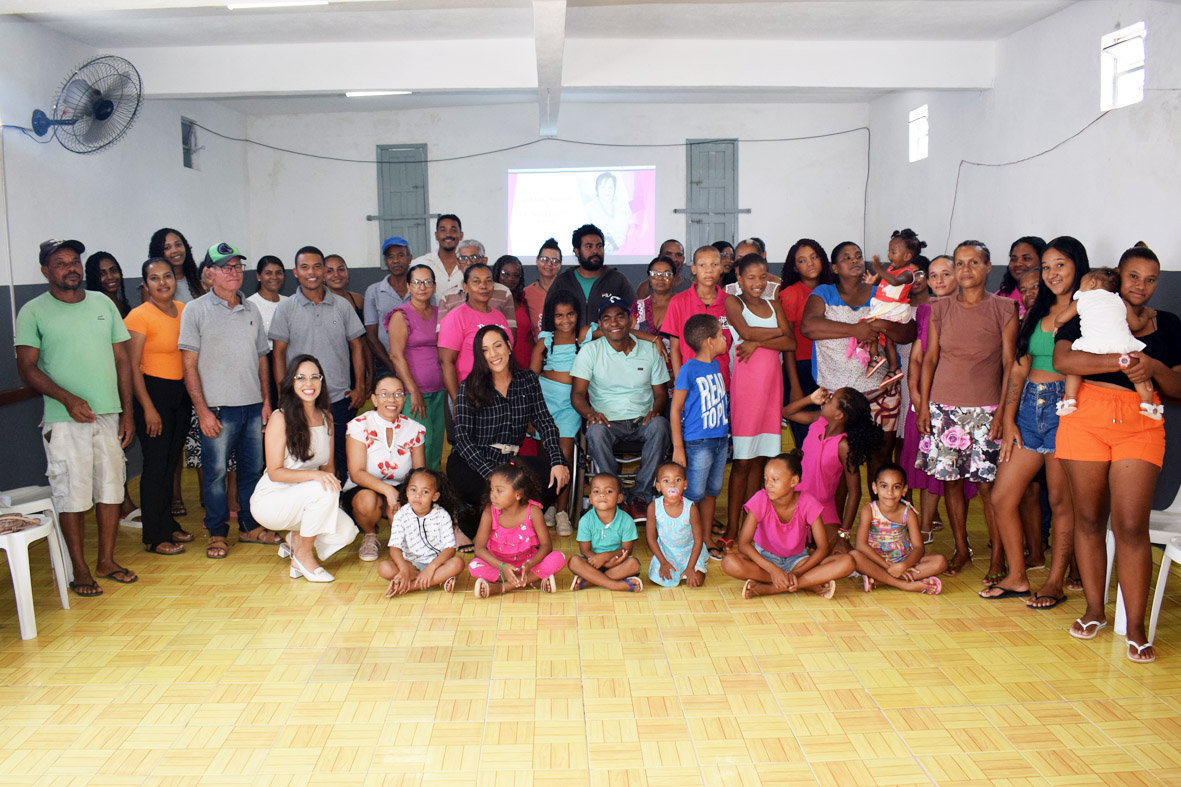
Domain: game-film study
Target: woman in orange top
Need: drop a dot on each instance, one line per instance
(161, 404)
(806, 266)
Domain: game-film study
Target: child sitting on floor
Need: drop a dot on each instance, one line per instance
(1107, 323)
(606, 537)
(772, 554)
(674, 532)
(512, 544)
(889, 547)
(422, 539)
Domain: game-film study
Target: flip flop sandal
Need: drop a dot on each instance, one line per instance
(86, 589)
(830, 589)
(1139, 652)
(466, 549)
(1005, 593)
(1087, 632)
(262, 539)
(449, 585)
(578, 584)
(716, 553)
(155, 548)
(727, 544)
(182, 536)
(114, 577)
(178, 509)
(481, 590)
(992, 579)
(934, 586)
(867, 582)
(549, 584)
(1057, 600)
(636, 584)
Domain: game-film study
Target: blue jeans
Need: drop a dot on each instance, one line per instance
(656, 438)
(706, 460)
(1037, 418)
(241, 431)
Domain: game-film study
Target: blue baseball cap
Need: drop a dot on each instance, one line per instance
(614, 302)
(394, 241)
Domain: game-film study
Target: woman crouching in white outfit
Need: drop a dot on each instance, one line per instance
(299, 491)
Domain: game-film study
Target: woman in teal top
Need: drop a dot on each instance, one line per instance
(1027, 443)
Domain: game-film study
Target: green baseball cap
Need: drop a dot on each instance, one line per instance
(220, 254)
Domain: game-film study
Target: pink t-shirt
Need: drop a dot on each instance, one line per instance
(458, 329)
(683, 306)
(779, 538)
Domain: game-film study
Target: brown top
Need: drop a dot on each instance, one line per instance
(970, 350)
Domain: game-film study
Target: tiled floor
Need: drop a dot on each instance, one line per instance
(229, 672)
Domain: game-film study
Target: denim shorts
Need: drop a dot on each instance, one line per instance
(1037, 418)
(785, 563)
(707, 466)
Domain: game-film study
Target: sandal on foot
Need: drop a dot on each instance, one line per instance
(728, 544)
(1086, 627)
(993, 578)
(890, 378)
(122, 575)
(217, 548)
(933, 586)
(867, 582)
(181, 536)
(1004, 593)
(164, 548)
(874, 365)
(1054, 601)
(449, 585)
(481, 590)
(578, 584)
(549, 584)
(178, 508)
(86, 589)
(1139, 652)
(716, 553)
(466, 549)
(259, 535)
(828, 589)
(928, 536)
(958, 565)
(936, 525)
(1074, 583)
(635, 584)
(748, 589)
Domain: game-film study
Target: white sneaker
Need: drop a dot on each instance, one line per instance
(550, 516)
(563, 522)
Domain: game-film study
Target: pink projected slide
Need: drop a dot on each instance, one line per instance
(545, 203)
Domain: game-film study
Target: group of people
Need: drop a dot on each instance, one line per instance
(315, 417)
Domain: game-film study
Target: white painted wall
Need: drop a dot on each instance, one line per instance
(793, 188)
(1113, 185)
(116, 198)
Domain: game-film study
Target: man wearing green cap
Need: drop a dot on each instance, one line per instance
(224, 350)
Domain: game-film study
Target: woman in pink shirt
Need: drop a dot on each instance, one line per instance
(459, 327)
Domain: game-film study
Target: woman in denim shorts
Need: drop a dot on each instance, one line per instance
(1030, 430)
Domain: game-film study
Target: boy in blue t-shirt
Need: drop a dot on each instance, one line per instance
(700, 420)
(606, 537)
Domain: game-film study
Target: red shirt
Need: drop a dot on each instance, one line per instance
(683, 306)
(792, 299)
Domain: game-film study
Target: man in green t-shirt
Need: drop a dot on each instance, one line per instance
(70, 349)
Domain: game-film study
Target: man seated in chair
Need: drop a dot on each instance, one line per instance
(619, 389)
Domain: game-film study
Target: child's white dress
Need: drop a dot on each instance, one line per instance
(1103, 323)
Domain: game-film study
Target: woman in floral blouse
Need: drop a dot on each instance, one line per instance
(382, 446)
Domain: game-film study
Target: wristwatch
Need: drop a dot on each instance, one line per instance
(1125, 361)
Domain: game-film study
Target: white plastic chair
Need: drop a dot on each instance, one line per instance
(32, 501)
(1172, 555)
(16, 546)
(1163, 527)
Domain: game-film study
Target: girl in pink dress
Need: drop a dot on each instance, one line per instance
(761, 332)
(841, 438)
(512, 544)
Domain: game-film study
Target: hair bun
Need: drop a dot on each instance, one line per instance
(1139, 245)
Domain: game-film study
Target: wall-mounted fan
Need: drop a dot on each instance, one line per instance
(95, 107)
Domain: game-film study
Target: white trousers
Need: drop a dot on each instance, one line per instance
(307, 508)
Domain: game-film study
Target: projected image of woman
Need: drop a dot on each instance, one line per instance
(610, 210)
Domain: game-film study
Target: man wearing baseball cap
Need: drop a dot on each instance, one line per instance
(618, 387)
(224, 351)
(383, 296)
(71, 349)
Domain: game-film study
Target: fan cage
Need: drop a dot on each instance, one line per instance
(98, 104)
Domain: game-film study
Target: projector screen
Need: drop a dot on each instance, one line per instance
(545, 203)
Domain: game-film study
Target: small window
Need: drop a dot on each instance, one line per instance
(1121, 67)
(918, 134)
(188, 143)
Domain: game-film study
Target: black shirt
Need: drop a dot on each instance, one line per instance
(1163, 344)
(503, 421)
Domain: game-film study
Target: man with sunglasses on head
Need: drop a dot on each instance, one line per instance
(224, 351)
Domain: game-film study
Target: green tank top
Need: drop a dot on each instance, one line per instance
(1041, 350)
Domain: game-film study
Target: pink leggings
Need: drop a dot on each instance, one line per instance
(549, 565)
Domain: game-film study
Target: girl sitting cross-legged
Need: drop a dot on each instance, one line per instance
(772, 554)
(889, 547)
(422, 538)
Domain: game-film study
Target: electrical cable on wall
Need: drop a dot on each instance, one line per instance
(959, 170)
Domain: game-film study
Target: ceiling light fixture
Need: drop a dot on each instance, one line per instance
(273, 4)
(371, 93)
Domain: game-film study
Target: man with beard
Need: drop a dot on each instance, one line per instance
(383, 296)
(448, 271)
(71, 348)
(591, 281)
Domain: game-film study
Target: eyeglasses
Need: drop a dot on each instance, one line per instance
(919, 275)
(471, 258)
(660, 275)
(509, 275)
(550, 260)
(303, 378)
(231, 268)
(421, 284)
(384, 395)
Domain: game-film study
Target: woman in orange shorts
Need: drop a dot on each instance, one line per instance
(1108, 444)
